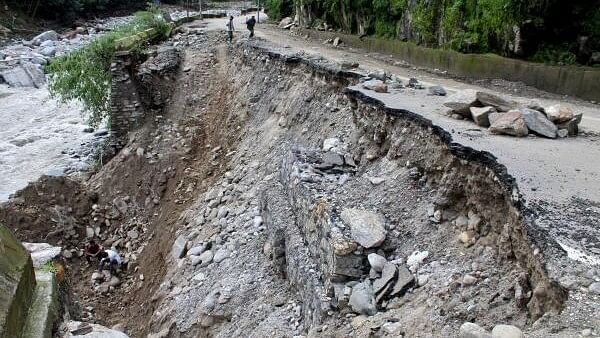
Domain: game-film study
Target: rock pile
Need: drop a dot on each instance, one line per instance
(380, 81)
(506, 117)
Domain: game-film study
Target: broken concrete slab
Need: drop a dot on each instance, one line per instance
(366, 227)
(511, 123)
(42, 253)
(538, 123)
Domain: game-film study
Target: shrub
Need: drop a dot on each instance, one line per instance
(84, 74)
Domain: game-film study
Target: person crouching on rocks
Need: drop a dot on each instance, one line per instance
(92, 251)
(110, 258)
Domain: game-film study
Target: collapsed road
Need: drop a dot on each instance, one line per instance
(271, 193)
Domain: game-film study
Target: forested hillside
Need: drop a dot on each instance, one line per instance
(555, 31)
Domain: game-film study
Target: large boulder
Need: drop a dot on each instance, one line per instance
(362, 299)
(559, 113)
(375, 85)
(48, 35)
(511, 123)
(500, 103)
(461, 102)
(88, 330)
(480, 115)
(366, 227)
(26, 75)
(538, 123)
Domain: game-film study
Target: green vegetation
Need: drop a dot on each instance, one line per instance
(279, 9)
(69, 10)
(539, 30)
(49, 267)
(84, 74)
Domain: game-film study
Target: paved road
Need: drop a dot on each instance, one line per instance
(560, 178)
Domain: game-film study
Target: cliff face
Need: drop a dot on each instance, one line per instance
(541, 30)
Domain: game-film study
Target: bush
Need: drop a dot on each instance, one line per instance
(84, 74)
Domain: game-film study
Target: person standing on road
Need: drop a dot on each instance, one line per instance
(250, 24)
(230, 29)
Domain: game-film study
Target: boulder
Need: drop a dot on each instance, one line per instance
(481, 115)
(375, 85)
(511, 123)
(571, 126)
(285, 22)
(362, 299)
(388, 273)
(48, 51)
(366, 227)
(48, 35)
(559, 114)
(404, 281)
(461, 101)
(88, 330)
(179, 247)
(379, 74)
(26, 75)
(376, 261)
(507, 331)
(472, 330)
(538, 123)
(437, 90)
(501, 104)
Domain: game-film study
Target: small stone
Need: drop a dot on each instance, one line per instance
(469, 280)
(197, 250)
(416, 258)
(206, 258)
(366, 227)
(97, 276)
(114, 281)
(331, 143)
(586, 332)
(437, 90)
(67, 254)
(422, 280)
(221, 255)
(376, 180)
(466, 238)
(133, 234)
(362, 299)
(375, 85)
(595, 288)
(391, 328)
(333, 158)
(376, 261)
(200, 276)
(507, 331)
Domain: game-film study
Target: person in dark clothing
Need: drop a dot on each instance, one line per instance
(230, 29)
(250, 24)
(92, 251)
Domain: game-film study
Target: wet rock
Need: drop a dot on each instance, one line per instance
(461, 101)
(376, 261)
(366, 227)
(511, 123)
(437, 90)
(507, 331)
(472, 330)
(375, 85)
(538, 123)
(481, 115)
(179, 247)
(559, 113)
(362, 299)
(501, 104)
(48, 35)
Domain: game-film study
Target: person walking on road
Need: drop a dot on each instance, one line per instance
(230, 29)
(250, 24)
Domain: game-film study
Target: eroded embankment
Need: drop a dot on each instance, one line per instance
(260, 164)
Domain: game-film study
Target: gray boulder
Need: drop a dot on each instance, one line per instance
(179, 247)
(362, 299)
(472, 330)
(481, 115)
(48, 35)
(501, 104)
(507, 331)
(461, 101)
(376, 261)
(538, 123)
(88, 330)
(26, 75)
(379, 74)
(511, 123)
(48, 51)
(571, 126)
(437, 90)
(366, 227)
(388, 273)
